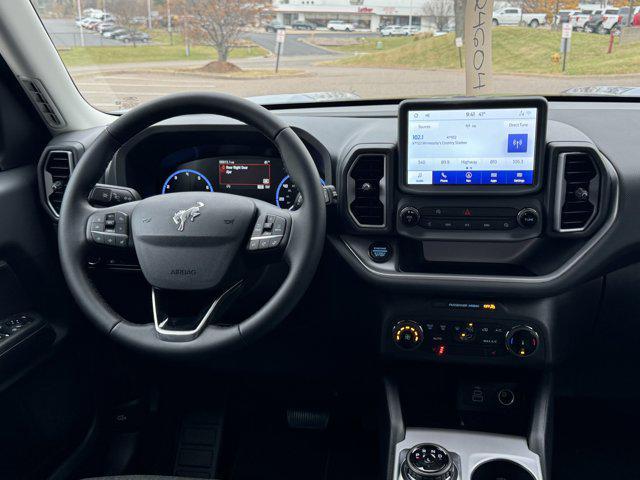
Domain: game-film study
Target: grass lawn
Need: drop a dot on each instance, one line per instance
(515, 50)
(160, 50)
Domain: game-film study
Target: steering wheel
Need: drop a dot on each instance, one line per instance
(192, 243)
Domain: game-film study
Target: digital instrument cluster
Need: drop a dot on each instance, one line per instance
(264, 178)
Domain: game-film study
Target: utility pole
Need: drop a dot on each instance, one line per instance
(410, 15)
(169, 22)
(149, 14)
(79, 2)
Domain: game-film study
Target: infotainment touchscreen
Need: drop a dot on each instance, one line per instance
(464, 146)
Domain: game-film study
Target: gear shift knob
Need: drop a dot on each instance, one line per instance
(428, 461)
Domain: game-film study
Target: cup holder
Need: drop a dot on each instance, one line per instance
(501, 470)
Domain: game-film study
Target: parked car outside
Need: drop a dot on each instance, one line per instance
(624, 20)
(579, 20)
(104, 26)
(133, 36)
(273, 26)
(114, 32)
(596, 23)
(302, 25)
(392, 31)
(564, 16)
(514, 16)
(410, 30)
(340, 26)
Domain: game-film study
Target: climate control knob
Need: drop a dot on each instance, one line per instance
(522, 341)
(428, 461)
(408, 335)
(410, 216)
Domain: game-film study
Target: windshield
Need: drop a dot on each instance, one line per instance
(121, 53)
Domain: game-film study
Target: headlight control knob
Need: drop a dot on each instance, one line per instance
(408, 335)
(428, 461)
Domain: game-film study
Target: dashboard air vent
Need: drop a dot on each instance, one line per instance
(578, 189)
(57, 170)
(367, 189)
(43, 102)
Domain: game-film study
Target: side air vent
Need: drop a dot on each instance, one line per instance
(577, 191)
(57, 170)
(366, 190)
(43, 102)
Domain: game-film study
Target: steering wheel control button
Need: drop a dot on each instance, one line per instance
(110, 229)
(528, 218)
(106, 195)
(279, 225)
(380, 252)
(408, 335)
(428, 461)
(122, 223)
(410, 216)
(522, 341)
(267, 233)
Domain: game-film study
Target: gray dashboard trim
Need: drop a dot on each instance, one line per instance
(473, 449)
(549, 283)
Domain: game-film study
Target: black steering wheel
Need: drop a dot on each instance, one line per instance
(193, 241)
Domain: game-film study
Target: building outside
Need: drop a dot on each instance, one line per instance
(363, 14)
(372, 15)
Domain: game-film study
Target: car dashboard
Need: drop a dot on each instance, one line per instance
(458, 269)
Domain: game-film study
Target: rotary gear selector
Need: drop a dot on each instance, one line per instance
(428, 461)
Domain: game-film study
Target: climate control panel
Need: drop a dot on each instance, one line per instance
(460, 338)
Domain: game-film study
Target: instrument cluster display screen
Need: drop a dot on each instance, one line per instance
(476, 146)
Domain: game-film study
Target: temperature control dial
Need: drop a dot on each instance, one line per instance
(428, 461)
(408, 335)
(522, 341)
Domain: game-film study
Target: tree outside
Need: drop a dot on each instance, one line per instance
(218, 23)
(126, 12)
(441, 11)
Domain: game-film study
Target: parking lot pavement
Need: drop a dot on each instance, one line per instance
(66, 34)
(293, 44)
(109, 90)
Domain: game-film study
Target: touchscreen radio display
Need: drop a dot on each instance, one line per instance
(491, 146)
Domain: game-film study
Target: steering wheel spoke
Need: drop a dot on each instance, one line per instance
(111, 227)
(187, 322)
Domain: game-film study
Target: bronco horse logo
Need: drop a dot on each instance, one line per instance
(181, 216)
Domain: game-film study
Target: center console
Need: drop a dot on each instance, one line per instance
(458, 455)
(478, 228)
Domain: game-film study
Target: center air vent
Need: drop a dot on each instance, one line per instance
(57, 170)
(577, 191)
(366, 190)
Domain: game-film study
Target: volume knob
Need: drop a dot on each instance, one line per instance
(410, 216)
